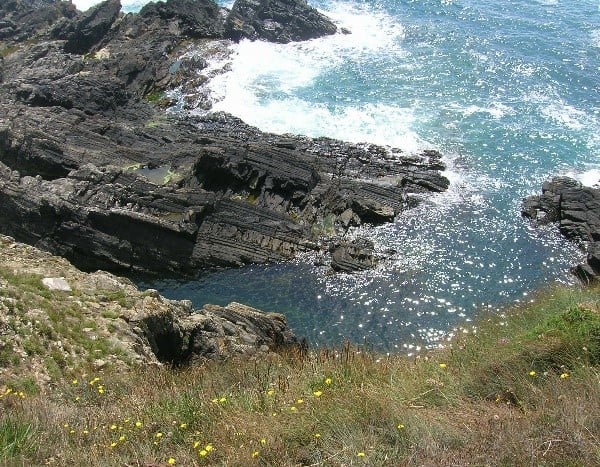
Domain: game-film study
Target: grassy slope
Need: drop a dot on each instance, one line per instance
(523, 390)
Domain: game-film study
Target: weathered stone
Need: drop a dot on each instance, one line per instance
(92, 170)
(56, 283)
(276, 21)
(89, 28)
(356, 255)
(576, 209)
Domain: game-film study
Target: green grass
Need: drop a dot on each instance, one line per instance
(522, 389)
(15, 435)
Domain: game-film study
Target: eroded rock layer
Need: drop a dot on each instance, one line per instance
(92, 168)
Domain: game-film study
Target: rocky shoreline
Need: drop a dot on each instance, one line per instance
(93, 168)
(576, 210)
(50, 309)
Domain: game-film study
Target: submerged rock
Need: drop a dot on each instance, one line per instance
(576, 210)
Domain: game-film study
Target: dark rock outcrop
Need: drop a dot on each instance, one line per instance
(93, 169)
(576, 210)
(356, 255)
(89, 28)
(276, 21)
(23, 19)
(192, 18)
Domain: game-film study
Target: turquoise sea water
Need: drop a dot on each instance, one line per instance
(509, 91)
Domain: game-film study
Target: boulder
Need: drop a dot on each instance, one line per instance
(276, 21)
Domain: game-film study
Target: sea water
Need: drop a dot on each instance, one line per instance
(508, 91)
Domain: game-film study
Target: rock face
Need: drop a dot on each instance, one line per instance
(276, 21)
(88, 28)
(576, 209)
(93, 169)
(45, 317)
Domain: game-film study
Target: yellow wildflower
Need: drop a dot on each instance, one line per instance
(122, 438)
(203, 453)
(443, 365)
(360, 454)
(300, 401)
(113, 427)
(209, 447)
(400, 426)
(317, 435)
(564, 375)
(138, 424)
(183, 426)
(113, 444)
(317, 393)
(328, 381)
(532, 373)
(196, 444)
(75, 382)
(171, 461)
(293, 409)
(158, 435)
(263, 441)
(255, 454)
(270, 392)
(223, 399)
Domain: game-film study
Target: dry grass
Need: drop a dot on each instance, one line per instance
(475, 403)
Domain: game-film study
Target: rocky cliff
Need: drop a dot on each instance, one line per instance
(92, 168)
(54, 317)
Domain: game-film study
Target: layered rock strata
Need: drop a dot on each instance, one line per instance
(92, 168)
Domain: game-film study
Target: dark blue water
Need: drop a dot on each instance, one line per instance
(509, 91)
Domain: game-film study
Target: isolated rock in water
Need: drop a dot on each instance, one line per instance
(276, 21)
(356, 255)
(576, 210)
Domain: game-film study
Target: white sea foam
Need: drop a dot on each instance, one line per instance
(265, 84)
(589, 177)
(495, 110)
